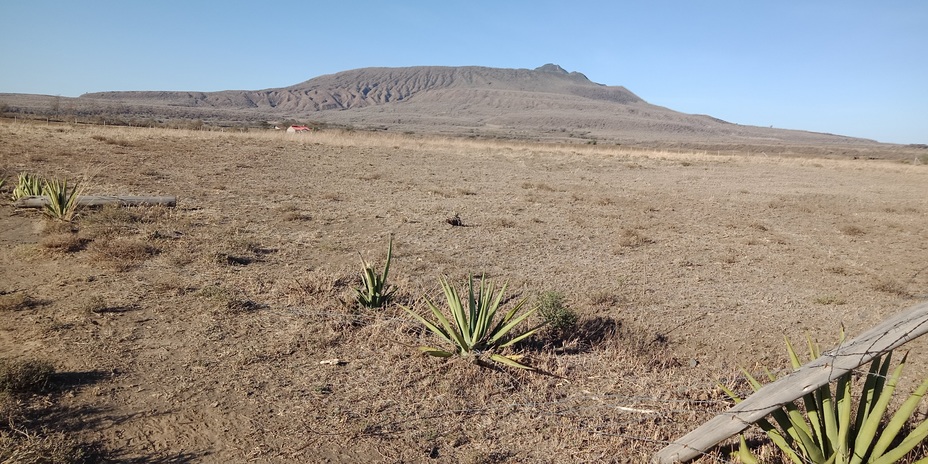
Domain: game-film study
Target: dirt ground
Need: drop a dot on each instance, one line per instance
(195, 333)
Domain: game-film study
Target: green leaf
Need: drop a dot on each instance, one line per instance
(916, 437)
(899, 419)
(375, 292)
(432, 327)
(744, 453)
(469, 329)
(869, 429)
(437, 352)
(510, 362)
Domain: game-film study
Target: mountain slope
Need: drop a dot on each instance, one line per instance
(547, 103)
(360, 88)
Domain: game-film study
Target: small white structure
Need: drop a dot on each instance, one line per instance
(294, 129)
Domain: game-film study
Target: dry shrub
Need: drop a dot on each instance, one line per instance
(317, 287)
(120, 142)
(504, 223)
(604, 299)
(851, 230)
(123, 253)
(238, 250)
(631, 238)
(121, 221)
(539, 186)
(43, 446)
(891, 286)
(293, 213)
(296, 216)
(24, 376)
(23, 435)
(830, 300)
(110, 221)
(17, 302)
(64, 243)
(839, 270)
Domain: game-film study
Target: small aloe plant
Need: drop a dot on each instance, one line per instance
(474, 330)
(62, 202)
(831, 431)
(376, 292)
(27, 185)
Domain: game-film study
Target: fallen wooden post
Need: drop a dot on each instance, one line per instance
(39, 201)
(890, 334)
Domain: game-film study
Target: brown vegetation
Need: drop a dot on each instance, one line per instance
(211, 320)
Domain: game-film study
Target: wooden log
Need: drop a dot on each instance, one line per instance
(890, 334)
(39, 201)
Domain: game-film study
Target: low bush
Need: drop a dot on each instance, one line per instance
(24, 376)
(559, 318)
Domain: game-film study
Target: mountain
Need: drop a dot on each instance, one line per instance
(545, 103)
(366, 87)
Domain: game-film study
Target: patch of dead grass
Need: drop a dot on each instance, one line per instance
(18, 301)
(632, 238)
(852, 230)
(122, 253)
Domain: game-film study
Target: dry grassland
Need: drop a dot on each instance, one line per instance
(195, 334)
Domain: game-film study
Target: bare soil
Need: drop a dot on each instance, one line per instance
(196, 333)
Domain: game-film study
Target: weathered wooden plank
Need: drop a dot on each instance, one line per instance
(891, 333)
(40, 201)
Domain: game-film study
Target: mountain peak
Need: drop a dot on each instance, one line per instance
(551, 68)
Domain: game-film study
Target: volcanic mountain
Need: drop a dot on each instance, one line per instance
(547, 102)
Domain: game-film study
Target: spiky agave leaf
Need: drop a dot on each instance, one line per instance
(899, 419)
(62, 202)
(772, 432)
(437, 352)
(744, 453)
(27, 185)
(474, 328)
(511, 361)
(835, 433)
(867, 432)
(376, 292)
(443, 331)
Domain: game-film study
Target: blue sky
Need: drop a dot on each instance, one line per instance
(856, 68)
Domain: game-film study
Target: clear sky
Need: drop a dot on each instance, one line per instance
(857, 68)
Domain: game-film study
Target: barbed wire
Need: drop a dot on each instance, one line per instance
(581, 406)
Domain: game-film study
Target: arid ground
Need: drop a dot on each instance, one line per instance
(195, 333)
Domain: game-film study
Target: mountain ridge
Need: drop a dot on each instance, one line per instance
(359, 88)
(547, 103)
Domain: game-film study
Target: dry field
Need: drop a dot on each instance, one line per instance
(195, 334)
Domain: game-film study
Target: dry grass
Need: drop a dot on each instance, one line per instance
(19, 376)
(17, 302)
(238, 293)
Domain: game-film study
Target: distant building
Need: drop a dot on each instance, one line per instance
(297, 129)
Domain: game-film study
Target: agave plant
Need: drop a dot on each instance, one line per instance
(474, 330)
(375, 293)
(831, 431)
(62, 202)
(27, 185)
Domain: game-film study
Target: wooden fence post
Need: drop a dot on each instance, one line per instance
(891, 333)
(39, 201)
